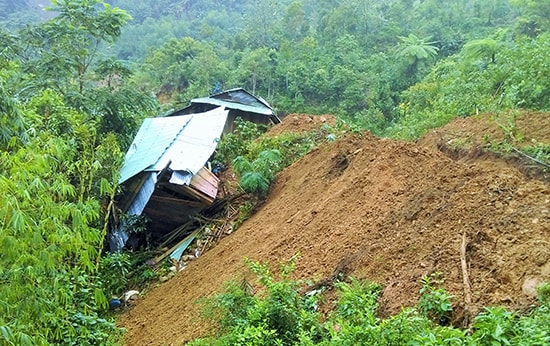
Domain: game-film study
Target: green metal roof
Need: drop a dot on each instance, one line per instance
(153, 138)
(185, 142)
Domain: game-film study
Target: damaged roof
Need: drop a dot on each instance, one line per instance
(185, 142)
(238, 98)
(234, 99)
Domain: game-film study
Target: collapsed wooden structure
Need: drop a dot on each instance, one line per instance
(166, 176)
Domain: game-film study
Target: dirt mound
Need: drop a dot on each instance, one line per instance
(473, 137)
(530, 127)
(301, 123)
(382, 210)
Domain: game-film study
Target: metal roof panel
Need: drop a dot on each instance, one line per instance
(187, 141)
(259, 108)
(153, 138)
(195, 143)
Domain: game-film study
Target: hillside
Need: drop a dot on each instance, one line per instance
(387, 211)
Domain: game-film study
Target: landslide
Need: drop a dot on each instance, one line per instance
(382, 210)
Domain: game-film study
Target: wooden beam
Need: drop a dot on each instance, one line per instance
(188, 191)
(157, 260)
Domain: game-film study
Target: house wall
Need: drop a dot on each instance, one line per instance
(252, 117)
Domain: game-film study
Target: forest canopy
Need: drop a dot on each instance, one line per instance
(78, 77)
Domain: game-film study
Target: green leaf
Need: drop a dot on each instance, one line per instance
(7, 334)
(100, 298)
(18, 220)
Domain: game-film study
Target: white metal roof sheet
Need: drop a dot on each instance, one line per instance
(195, 143)
(186, 140)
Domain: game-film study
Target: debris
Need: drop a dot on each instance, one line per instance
(115, 303)
(176, 251)
(466, 281)
(129, 296)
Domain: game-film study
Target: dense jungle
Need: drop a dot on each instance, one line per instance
(414, 150)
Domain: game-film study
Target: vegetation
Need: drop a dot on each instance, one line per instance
(72, 98)
(396, 68)
(60, 148)
(277, 313)
(257, 160)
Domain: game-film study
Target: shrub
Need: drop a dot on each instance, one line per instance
(493, 326)
(276, 315)
(236, 143)
(435, 302)
(256, 176)
(114, 272)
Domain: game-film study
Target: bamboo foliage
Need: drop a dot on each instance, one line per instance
(51, 229)
(48, 241)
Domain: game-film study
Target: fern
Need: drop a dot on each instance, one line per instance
(256, 176)
(254, 182)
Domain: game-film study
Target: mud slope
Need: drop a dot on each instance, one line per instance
(382, 210)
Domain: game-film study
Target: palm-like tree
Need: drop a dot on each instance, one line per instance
(481, 49)
(415, 49)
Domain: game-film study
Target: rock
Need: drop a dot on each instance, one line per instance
(529, 287)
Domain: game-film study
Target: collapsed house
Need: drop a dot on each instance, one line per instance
(166, 176)
(240, 104)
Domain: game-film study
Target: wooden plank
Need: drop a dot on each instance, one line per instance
(187, 191)
(157, 259)
(207, 174)
(206, 182)
(204, 186)
(200, 196)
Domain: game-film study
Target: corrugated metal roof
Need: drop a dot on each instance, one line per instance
(240, 95)
(153, 138)
(195, 143)
(180, 178)
(258, 108)
(143, 196)
(186, 140)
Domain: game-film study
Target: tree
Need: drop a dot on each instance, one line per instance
(58, 162)
(182, 69)
(260, 23)
(63, 49)
(257, 67)
(414, 50)
(62, 55)
(50, 242)
(535, 16)
(481, 49)
(12, 124)
(294, 21)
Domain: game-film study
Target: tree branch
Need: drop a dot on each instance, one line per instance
(466, 281)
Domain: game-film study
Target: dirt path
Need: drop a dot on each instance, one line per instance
(382, 210)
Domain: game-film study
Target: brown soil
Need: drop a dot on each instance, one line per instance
(383, 210)
(302, 123)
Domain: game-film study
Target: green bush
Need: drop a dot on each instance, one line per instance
(494, 326)
(435, 302)
(236, 143)
(277, 314)
(114, 268)
(258, 161)
(256, 176)
(357, 302)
